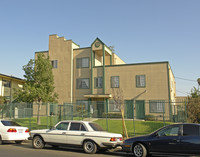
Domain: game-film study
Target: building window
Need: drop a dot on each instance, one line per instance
(6, 83)
(83, 83)
(81, 105)
(82, 62)
(98, 82)
(140, 81)
(156, 106)
(54, 64)
(115, 82)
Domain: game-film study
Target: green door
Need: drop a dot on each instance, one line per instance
(129, 109)
(140, 109)
(100, 108)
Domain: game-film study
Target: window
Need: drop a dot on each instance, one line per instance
(81, 105)
(6, 83)
(157, 106)
(82, 62)
(169, 131)
(115, 82)
(77, 127)
(140, 81)
(96, 127)
(83, 83)
(190, 130)
(9, 123)
(54, 64)
(82, 128)
(62, 126)
(98, 82)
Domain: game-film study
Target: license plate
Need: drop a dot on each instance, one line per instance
(20, 130)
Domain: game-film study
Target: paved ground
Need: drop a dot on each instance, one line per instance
(26, 150)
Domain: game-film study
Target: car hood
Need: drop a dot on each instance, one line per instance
(138, 138)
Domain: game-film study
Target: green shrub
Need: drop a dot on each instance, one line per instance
(112, 115)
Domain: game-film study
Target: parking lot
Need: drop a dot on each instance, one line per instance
(26, 149)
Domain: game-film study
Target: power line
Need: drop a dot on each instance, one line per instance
(185, 79)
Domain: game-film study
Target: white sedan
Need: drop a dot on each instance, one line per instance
(88, 135)
(11, 131)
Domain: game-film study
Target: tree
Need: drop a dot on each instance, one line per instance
(193, 107)
(39, 83)
(119, 102)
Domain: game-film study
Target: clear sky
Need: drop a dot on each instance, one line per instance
(140, 30)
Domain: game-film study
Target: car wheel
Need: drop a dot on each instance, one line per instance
(89, 147)
(18, 142)
(139, 150)
(38, 142)
(1, 141)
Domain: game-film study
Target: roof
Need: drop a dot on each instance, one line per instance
(11, 77)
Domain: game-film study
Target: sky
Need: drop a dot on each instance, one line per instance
(140, 30)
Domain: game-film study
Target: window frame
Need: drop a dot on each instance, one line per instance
(139, 85)
(77, 87)
(96, 79)
(111, 84)
(79, 62)
(157, 103)
(54, 64)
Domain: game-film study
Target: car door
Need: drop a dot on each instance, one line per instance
(76, 133)
(190, 141)
(58, 134)
(166, 140)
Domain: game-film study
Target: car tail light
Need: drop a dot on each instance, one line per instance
(113, 139)
(12, 130)
(27, 131)
(121, 139)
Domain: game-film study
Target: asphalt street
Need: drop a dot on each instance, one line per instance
(26, 150)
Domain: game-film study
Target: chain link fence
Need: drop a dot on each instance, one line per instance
(135, 112)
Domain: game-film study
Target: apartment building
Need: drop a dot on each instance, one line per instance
(8, 84)
(95, 76)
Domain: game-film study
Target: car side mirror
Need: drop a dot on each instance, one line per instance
(156, 134)
(53, 128)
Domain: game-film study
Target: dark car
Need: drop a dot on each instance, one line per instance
(176, 139)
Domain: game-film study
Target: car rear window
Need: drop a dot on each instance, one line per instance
(9, 123)
(96, 127)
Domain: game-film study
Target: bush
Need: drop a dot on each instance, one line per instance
(150, 117)
(112, 115)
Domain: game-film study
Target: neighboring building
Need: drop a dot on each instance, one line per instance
(93, 75)
(8, 84)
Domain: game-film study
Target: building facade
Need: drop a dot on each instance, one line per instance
(96, 77)
(8, 84)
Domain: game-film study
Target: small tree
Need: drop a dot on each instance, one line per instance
(119, 102)
(39, 85)
(193, 107)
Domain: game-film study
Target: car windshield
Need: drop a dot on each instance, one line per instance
(96, 127)
(9, 123)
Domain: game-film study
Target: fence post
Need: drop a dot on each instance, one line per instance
(164, 113)
(106, 113)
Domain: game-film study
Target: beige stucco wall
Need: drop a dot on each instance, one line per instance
(81, 73)
(60, 49)
(156, 82)
(15, 84)
(116, 60)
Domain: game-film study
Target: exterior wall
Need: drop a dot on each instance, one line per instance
(81, 73)
(156, 82)
(8, 92)
(172, 84)
(60, 49)
(116, 60)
